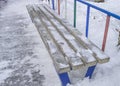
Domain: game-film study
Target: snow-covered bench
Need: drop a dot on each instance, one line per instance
(73, 54)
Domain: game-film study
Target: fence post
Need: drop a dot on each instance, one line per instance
(87, 20)
(59, 7)
(65, 9)
(74, 13)
(105, 32)
(53, 5)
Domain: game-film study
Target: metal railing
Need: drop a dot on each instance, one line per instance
(109, 14)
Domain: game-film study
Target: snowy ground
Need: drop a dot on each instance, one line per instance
(24, 60)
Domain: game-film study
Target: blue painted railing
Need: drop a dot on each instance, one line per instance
(53, 4)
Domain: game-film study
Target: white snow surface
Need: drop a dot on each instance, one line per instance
(104, 75)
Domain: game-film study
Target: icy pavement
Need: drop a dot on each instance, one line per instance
(24, 60)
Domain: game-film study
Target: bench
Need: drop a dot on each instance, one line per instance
(4, 1)
(74, 56)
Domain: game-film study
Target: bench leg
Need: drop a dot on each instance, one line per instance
(90, 71)
(64, 78)
(77, 75)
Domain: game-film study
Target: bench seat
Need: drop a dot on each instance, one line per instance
(68, 48)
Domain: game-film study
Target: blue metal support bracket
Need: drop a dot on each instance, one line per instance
(64, 78)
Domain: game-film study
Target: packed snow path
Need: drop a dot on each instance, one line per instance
(22, 53)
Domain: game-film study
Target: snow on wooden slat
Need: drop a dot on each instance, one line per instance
(75, 62)
(100, 56)
(86, 57)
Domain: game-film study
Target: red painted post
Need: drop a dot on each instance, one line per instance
(59, 7)
(106, 32)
